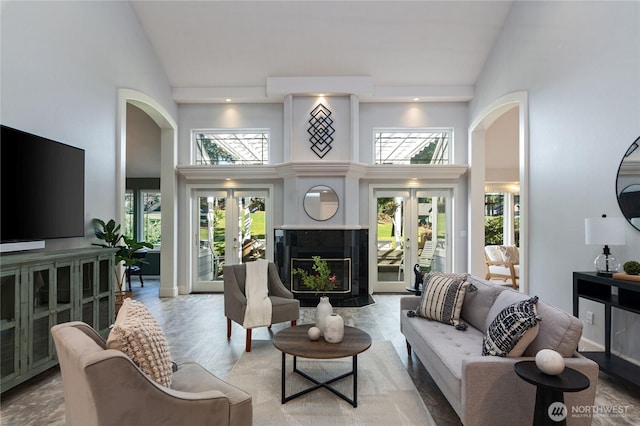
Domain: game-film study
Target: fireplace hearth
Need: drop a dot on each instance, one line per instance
(345, 250)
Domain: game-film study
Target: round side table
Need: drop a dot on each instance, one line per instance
(550, 391)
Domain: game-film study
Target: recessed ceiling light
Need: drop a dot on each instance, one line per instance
(416, 99)
(320, 94)
(228, 100)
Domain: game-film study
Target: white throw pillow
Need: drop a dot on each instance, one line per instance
(139, 336)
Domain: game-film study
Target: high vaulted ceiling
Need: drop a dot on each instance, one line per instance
(213, 50)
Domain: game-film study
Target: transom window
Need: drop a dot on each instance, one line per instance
(246, 146)
(417, 146)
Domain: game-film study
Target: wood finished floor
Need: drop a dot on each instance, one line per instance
(196, 330)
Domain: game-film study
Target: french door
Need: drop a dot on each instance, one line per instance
(412, 227)
(230, 227)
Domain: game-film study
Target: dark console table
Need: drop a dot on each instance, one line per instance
(592, 286)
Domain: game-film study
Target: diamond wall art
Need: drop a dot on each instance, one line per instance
(320, 130)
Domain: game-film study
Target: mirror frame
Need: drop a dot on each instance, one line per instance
(629, 167)
(316, 212)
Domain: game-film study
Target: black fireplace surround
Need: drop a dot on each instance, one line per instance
(346, 247)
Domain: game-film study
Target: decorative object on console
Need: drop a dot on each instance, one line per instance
(320, 130)
(628, 185)
(334, 328)
(605, 231)
(549, 362)
(314, 333)
(631, 267)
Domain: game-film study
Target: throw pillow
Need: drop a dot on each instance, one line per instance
(442, 297)
(139, 336)
(510, 254)
(509, 326)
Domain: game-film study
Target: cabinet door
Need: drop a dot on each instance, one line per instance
(105, 306)
(88, 291)
(40, 301)
(63, 296)
(10, 324)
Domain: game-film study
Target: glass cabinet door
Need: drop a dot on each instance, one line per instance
(10, 323)
(63, 298)
(105, 271)
(40, 290)
(88, 290)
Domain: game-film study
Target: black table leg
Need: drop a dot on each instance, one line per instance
(544, 399)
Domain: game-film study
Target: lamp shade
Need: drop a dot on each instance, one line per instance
(604, 231)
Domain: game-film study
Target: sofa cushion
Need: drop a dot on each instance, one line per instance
(442, 298)
(510, 254)
(139, 336)
(509, 326)
(493, 253)
(477, 304)
(559, 331)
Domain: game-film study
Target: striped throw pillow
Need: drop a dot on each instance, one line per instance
(442, 298)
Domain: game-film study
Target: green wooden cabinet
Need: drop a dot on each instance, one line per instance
(39, 290)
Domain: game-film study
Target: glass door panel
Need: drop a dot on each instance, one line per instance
(391, 238)
(411, 229)
(231, 228)
(211, 243)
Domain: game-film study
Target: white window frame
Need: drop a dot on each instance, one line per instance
(196, 132)
(408, 130)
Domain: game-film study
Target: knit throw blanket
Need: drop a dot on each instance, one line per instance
(258, 313)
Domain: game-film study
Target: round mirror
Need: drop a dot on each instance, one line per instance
(321, 202)
(628, 184)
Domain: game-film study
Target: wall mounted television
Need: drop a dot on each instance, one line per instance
(42, 188)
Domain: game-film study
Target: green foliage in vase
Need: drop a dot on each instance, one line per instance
(632, 267)
(322, 281)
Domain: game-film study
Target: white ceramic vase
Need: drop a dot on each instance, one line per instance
(323, 310)
(334, 328)
(550, 362)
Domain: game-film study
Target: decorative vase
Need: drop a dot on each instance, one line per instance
(323, 310)
(334, 328)
(313, 333)
(550, 362)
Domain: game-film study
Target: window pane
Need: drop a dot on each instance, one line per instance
(414, 147)
(129, 208)
(225, 147)
(151, 217)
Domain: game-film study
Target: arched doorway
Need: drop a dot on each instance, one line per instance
(168, 180)
(477, 180)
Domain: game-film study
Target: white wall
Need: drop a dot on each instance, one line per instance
(62, 63)
(580, 63)
(143, 145)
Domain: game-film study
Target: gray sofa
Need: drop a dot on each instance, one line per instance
(485, 390)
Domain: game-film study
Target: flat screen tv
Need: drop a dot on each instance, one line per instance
(42, 188)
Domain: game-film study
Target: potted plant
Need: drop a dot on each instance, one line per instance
(321, 282)
(109, 232)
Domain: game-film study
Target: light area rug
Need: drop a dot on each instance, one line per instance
(386, 394)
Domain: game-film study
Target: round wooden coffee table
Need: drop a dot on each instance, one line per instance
(294, 341)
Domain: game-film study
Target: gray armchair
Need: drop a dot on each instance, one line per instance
(284, 306)
(104, 387)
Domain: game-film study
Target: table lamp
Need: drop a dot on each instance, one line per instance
(605, 231)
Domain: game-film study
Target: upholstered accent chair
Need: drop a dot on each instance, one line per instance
(284, 306)
(502, 262)
(104, 387)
